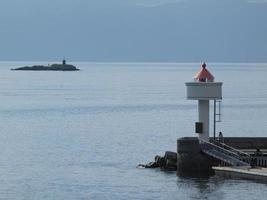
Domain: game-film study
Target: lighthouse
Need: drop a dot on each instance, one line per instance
(204, 88)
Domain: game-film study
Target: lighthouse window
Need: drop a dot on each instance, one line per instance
(199, 127)
(202, 79)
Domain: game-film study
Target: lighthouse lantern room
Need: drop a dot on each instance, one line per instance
(204, 88)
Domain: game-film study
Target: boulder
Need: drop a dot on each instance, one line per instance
(161, 162)
(168, 162)
(171, 160)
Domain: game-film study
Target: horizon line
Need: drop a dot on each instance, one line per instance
(135, 62)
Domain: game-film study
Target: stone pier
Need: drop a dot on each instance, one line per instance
(190, 157)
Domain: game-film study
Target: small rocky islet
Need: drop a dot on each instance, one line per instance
(54, 67)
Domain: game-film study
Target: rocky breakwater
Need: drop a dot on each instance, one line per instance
(168, 162)
(53, 67)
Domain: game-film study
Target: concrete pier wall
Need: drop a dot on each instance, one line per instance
(190, 157)
(247, 142)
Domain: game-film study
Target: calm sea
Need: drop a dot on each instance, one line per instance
(80, 135)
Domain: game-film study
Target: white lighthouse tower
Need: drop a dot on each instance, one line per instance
(203, 89)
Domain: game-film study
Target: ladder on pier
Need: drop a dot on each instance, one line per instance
(217, 115)
(225, 153)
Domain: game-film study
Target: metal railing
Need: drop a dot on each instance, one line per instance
(225, 153)
(244, 156)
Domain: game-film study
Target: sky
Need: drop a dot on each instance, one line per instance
(134, 30)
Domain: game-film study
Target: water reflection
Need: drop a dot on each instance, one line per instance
(201, 185)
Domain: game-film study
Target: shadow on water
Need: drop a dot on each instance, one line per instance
(211, 186)
(195, 175)
(201, 185)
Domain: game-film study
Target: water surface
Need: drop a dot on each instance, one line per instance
(80, 135)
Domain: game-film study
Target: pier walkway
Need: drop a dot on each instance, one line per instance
(244, 173)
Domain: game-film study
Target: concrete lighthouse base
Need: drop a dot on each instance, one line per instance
(190, 158)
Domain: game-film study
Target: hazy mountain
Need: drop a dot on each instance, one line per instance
(134, 30)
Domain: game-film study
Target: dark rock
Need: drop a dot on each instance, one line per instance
(149, 165)
(160, 161)
(172, 156)
(171, 160)
(168, 162)
(152, 165)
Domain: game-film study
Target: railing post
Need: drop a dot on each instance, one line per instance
(214, 121)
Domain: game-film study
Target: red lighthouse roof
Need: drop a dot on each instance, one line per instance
(204, 75)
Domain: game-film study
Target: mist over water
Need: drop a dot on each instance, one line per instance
(80, 135)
